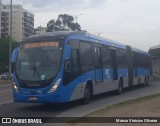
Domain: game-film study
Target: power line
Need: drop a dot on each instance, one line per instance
(0, 17)
(10, 42)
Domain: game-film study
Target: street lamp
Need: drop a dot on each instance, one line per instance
(98, 33)
(10, 42)
(0, 18)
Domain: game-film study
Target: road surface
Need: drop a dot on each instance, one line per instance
(8, 108)
(5, 93)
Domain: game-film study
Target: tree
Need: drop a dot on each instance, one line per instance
(51, 25)
(4, 53)
(64, 22)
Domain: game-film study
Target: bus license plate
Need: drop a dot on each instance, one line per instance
(33, 98)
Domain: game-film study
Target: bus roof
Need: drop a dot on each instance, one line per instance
(64, 34)
(55, 34)
(138, 50)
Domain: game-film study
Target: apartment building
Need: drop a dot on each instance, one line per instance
(22, 22)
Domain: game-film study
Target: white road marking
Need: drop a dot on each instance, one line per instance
(6, 102)
(5, 90)
(3, 85)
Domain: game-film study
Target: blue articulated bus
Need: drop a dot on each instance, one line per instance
(65, 66)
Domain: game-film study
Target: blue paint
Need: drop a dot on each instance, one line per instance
(14, 55)
(122, 72)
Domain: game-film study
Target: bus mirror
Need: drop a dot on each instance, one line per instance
(14, 55)
(67, 52)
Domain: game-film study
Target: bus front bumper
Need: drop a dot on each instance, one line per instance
(45, 98)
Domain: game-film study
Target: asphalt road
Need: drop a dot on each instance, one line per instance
(5, 93)
(8, 108)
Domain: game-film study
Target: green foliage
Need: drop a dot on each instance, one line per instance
(4, 53)
(64, 22)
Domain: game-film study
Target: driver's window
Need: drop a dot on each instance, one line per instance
(72, 65)
(75, 60)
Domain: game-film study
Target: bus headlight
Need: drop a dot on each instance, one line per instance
(55, 86)
(15, 87)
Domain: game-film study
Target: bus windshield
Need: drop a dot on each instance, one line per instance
(38, 61)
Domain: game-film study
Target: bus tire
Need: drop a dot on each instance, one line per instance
(120, 87)
(87, 95)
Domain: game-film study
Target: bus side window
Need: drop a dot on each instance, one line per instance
(121, 56)
(86, 56)
(75, 61)
(106, 56)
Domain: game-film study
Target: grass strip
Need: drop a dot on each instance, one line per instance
(128, 102)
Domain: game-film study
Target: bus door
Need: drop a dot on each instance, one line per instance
(98, 64)
(114, 63)
(130, 65)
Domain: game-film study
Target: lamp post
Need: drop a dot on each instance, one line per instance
(0, 17)
(10, 42)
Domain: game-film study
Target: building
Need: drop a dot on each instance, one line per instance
(155, 53)
(40, 30)
(22, 22)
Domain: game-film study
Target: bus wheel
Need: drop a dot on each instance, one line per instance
(87, 95)
(120, 87)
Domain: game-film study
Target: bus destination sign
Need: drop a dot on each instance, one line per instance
(41, 44)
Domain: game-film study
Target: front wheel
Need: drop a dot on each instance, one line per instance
(87, 95)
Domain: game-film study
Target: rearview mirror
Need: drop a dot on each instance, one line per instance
(14, 55)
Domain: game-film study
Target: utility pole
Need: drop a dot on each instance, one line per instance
(10, 42)
(0, 17)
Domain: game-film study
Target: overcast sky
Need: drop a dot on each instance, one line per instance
(132, 22)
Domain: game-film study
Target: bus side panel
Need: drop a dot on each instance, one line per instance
(76, 87)
(123, 73)
(107, 83)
